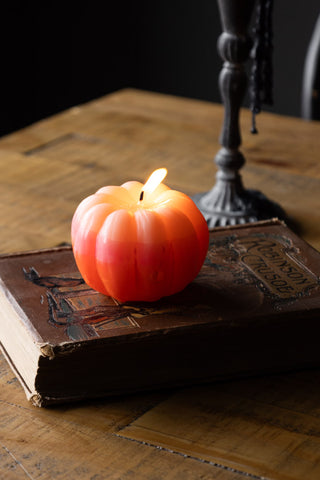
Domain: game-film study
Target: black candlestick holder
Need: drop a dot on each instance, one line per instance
(228, 202)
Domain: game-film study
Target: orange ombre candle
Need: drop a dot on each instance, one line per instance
(139, 242)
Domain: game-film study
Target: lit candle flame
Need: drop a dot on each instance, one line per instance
(153, 181)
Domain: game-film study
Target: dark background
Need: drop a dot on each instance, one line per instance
(52, 59)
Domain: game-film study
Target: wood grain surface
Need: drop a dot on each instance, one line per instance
(258, 428)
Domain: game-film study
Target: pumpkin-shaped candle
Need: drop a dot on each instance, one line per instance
(139, 242)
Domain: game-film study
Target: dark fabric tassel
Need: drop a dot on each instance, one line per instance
(261, 78)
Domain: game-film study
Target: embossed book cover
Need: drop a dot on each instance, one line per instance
(254, 308)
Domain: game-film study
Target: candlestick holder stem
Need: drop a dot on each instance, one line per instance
(228, 202)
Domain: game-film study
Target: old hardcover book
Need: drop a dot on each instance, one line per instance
(254, 308)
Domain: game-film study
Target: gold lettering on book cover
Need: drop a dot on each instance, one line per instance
(264, 260)
(276, 265)
(275, 262)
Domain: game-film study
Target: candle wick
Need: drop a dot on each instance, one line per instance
(141, 196)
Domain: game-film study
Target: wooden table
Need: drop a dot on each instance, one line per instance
(257, 428)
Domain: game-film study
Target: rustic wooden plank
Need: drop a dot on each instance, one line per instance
(12, 468)
(124, 113)
(258, 427)
(39, 193)
(82, 440)
(38, 199)
(46, 445)
(263, 426)
(297, 194)
(277, 145)
(103, 114)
